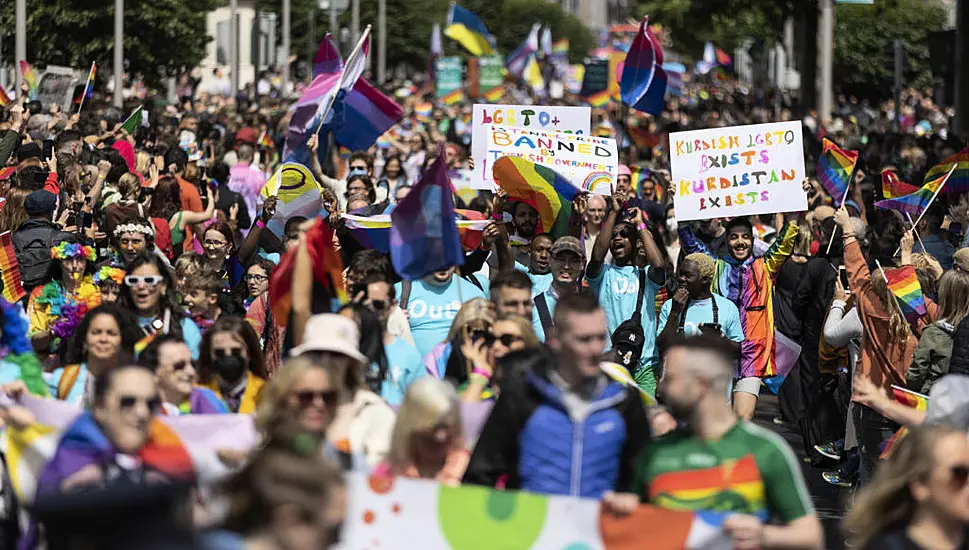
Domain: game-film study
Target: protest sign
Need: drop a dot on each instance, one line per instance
(530, 117)
(57, 86)
(738, 171)
(449, 84)
(590, 163)
(384, 512)
(491, 80)
(573, 82)
(595, 81)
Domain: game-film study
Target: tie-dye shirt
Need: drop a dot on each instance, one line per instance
(749, 470)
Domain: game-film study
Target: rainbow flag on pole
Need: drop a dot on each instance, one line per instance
(917, 202)
(545, 190)
(30, 77)
(835, 166)
(911, 399)
(958, 164)
(904, 284)
(13, 289)
(893, 187)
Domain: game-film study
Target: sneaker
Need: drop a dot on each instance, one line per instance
(780, 421)
(834, 477)
(829, 450)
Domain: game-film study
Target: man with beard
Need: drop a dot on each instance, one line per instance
(732, 464)
(524, 222)
(748, 282)
(620, 285)
(568, 258)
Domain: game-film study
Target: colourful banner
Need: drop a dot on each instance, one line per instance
(590, 163)
(738, 171)
(531, 117)
(491, 80)
(449, 84)
(382, 512)
(595, 82)
(298, 193)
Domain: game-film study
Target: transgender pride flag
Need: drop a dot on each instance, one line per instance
(643, 84)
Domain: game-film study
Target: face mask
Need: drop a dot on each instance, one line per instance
(671, 224)
(230, 367)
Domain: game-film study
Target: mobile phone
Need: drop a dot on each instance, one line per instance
(844, 277)
(71, 220)
(48, 149)
(87, 219)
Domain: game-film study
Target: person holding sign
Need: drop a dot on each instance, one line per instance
(634, 279)
(748, 281)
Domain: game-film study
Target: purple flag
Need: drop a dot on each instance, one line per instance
(423, 234)
(643, 83)
(328, 59)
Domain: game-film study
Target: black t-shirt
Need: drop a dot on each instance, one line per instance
(898, 540)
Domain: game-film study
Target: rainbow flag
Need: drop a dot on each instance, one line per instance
(467, 29)
(915, 203)
(4, 98)
(30, 77)
(89, 87)
(453, 97)
(643, 82)
(423, 235)
(327, 271)
(544, 189)
(141, 344)
(904, 284)
(959, 165)
(328, 59)
(642, 137)
(893, 187)
(265, 141)
(911, 399)
(835, 167)
(494, 95)
(598, 99)
(560, 47)
(639, 175)
(13, 289)
(423, 111)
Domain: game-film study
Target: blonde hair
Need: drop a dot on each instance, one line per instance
(142, 162)
(129, 185)
(475, 309)
(273, 409)
(887, 501)
(897, 325)
(189, 264)
(954, 296)
(802, 245)
(524, 325)
(428, 402)
(705, 265)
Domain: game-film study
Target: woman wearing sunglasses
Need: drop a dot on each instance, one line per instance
(231, 364)
(428, 440)
(149, 291)
(509, 333)
(471, 326)
(918, 498)
(56, 308)
(104, 339)
(171, 361)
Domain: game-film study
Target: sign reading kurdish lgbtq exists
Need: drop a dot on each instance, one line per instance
(589, 162)
(530, 117)
(738, 171)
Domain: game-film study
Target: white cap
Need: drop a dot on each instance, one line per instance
(333, 333)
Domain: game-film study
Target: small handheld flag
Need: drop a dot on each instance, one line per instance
(958, 164)
(911, 399)
(919, 201)
(132, 123)
(893, 187)
(89, 87)
(13, 289)
(542, 188)
(835, 168)
(904, 284)
(30, 77)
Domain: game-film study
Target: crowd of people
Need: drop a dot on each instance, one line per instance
(624, 360)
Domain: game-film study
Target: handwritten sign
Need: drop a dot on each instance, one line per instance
(490, 73)
(530, 117)
(449, 85)
(589, 162)
(738, 171)
(57, 86)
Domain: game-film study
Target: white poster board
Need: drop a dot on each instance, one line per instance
(738, 171)
(590, 163)
(532, 117)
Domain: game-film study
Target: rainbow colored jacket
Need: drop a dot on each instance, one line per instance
(750, 285)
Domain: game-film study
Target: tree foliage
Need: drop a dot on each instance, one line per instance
(863, 62)
(161, 36)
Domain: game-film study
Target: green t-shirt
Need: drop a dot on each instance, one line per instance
(750, 470)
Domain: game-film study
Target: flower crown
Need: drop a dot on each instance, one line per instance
(64, 251)
(134, 228)
(109, 272)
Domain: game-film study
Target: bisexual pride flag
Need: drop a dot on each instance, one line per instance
(328, 59)
(643, 83)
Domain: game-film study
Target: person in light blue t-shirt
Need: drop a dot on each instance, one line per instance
(618, 286)
(539, 269)
(568, 257)
(695, 309)
(432, 303)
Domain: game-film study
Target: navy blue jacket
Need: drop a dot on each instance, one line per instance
(533, 440)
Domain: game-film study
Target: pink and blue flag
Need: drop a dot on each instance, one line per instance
(643, 84)
(328, 59)
(423, 234)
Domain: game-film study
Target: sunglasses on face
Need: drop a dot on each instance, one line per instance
(307, 398)
(181, 365)
(379, 305)
(508, 340)
(128, 402)
(148, 280)
(485, 335)
(959, 475)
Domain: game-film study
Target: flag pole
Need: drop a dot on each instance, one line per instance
(915, 232)
(844, 197)
(343, 76)
(934, 195)
(86, 84)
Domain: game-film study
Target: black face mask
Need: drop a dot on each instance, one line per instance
(230, 367)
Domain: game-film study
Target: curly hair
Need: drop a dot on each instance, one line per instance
(705, 264)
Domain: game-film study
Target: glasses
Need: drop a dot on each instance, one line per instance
(212, 244)
(181, 365)
(256, 278)
(959, 475)
(483, 335)
(148, 280)
(307, 398)
(128, 402)
(508, 340)
(378, 305)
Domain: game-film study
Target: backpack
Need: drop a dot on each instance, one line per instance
(629, 337)
(34, 260)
